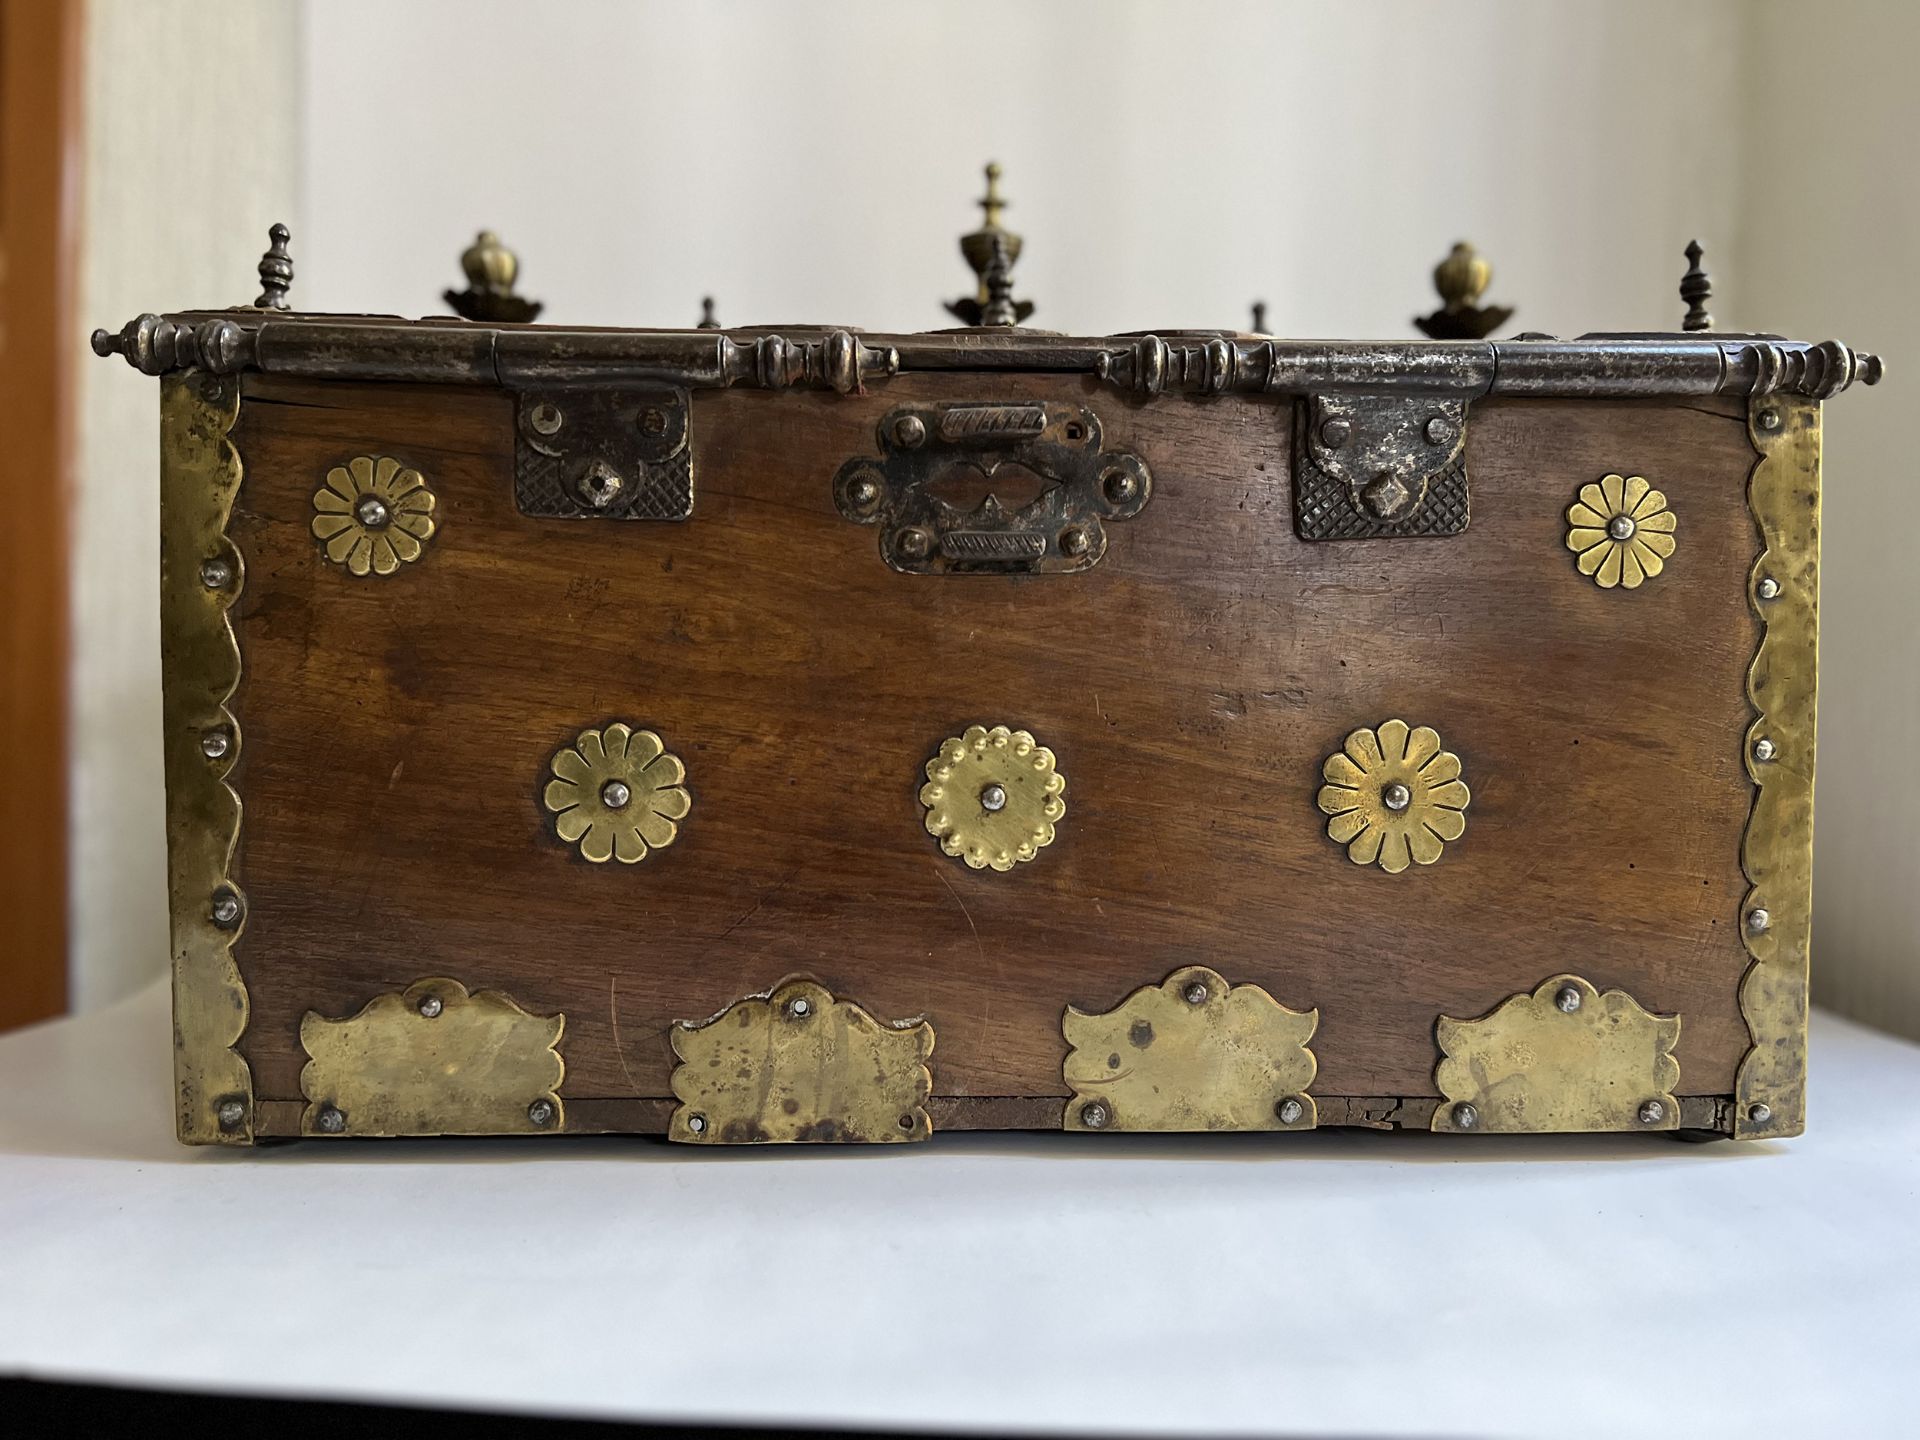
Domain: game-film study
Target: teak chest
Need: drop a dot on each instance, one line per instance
(818, 735)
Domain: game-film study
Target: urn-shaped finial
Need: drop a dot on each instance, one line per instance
(1462, 278)
(991, 252)
(491, 270)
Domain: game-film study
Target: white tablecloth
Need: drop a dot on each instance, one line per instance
(1337, 1282)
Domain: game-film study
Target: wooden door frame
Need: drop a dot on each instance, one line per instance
(40, 180)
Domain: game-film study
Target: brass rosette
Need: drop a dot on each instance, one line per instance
(373, 515)
(1394, 797)
(993, 797)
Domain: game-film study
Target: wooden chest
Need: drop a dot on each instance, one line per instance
(817, 735)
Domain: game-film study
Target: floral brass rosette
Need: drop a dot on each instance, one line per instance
(616, 793)
(1394, 797)
(993, 797)
(1621, 531)
(373, 515)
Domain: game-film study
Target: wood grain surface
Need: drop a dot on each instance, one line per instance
(398, 731)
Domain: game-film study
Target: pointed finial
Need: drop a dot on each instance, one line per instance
(981, 248)
(1696, 288)
(1259, 317)
(491, 270)
(276, 270)
(707, 322)
(1461, 279)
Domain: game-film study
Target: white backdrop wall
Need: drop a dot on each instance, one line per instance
(1167, 163)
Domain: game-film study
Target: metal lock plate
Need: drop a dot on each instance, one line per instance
(613, 454)
(992, 489)
(1368, 467)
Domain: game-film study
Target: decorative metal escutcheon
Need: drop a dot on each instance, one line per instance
(607, 453)
(992, 489)
(1371, 467)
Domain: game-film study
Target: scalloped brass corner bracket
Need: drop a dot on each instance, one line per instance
(1191, 1053)
(795, 1064)
(200, 578)
(1783, 495)
(433, 1060)
(1567, 1057)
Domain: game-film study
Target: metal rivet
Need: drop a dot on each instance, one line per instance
(863, 493)
(1075, 541)
(1768, 588)
(697, 1124)
(653, 421)
(1396, 796)
(914, 544)
(1621, 527)
(1651, 1112)
(231, 1113)
(1196, 993)
(1439, 432)
(372, 512)
(799, 1009)
(216, 574)
(1569, 998)
(906, 1122)
(1759, 1113)
(1769, 419)
(430, 1006)
(993, 797)
(1763, 749)
(1465, 1117)
(330, 1121)
(1758, 919)
(1095, 1115)
(546, 418)
(909, 431)
(1336, 432)
(1120, 486)
(1290, 1111)
(540, 1113)
(615, 794)
(225, 909)
(215, 743)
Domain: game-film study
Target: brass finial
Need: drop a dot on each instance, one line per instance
(1462, 278)
(991, 251)
(707, 322)
(1696, 288)
(276, 270)
(491, 270)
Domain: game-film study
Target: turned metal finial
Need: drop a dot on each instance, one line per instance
(276, 270)
(1462, 278)
(991, 251)
(707, 322)
(1696, 288)
(1259, 317)
(491, 270)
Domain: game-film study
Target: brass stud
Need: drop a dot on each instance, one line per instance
(1758, 919)
(1196, 993)
(540, 1113)
(1769, 419)
(330, 1120)
(697, 1124)
(216, 574)
(799, 1008)
(1095, 1115)
(225, 909)
(215, 744)
(1759, 1113)
(1290, 1110)
(1651, 1112)
(1569, 999)
(909, 432)
(1768, 588)
(1465, 1116)
(231, 1113)
(1763, 749)
(430, 1006)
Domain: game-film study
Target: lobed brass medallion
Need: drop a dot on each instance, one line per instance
(993, 797)
(796, 1065)
(373, 515)
(617, 794)
(433, 1060)
(1191, 1053)
(1621, 530)
(1567, 1057)
(1394, 797)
